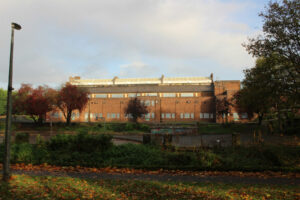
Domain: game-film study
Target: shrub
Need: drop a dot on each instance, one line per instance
(143, 127)
(81, 142)
(22, 138)
(21, 153)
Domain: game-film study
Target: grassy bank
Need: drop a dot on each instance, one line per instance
(28, 187)
(98, 151)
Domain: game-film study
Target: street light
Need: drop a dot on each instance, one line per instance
(6, 160)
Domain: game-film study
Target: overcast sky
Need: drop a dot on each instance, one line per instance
(127, 38)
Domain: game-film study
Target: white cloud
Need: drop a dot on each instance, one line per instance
(137, 68)
(92, 38)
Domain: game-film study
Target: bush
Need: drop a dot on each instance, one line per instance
(81, 142)
(22, 138)
(143, 127)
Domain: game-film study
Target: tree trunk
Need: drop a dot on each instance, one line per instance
(260, 118)
(40, 120)
(69, 114)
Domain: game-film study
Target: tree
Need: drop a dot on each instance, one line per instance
(71, 98)
(274, 83)
(223, 107)
(135, 109)
(281, 40)
(34, 102)
(262, 89)
(3, 96)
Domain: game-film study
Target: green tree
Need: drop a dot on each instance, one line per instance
(274, 83)
(259, 92)
(3, 96)
(281, 40)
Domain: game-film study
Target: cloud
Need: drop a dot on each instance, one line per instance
(95, 38)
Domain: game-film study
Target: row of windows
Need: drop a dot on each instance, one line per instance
(168, 115)
(147, 116)
(206, 115)
(132, 95)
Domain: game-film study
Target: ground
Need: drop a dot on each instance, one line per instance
(51, 182)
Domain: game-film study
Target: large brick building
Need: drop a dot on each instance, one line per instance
(167, 99)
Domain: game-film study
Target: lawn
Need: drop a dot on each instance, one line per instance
(32, 187)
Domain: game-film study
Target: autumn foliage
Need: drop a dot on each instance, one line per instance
(71, 98)
(35, 102)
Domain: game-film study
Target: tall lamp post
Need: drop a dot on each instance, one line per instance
(6, 160)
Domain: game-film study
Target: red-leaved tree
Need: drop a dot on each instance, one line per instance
(35, 102)
(71, 98)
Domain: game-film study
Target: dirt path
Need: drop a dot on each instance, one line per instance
(168, 177)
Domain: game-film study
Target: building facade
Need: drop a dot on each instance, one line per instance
(167, 99)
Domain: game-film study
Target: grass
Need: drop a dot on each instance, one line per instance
(32, 187)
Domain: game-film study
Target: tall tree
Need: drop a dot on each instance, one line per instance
(135, 109)
(3, 94)
(71, 98)
(281, 40)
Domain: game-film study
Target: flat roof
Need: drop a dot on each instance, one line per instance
(141, 81)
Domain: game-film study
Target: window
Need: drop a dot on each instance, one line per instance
(151, 94)
(168, 115)
(192, 115)
(162, 115)
(117, 95)
(211, 115)
(181, 115)
(153, 115)
(186, 115)
(201, 116)
(235, 116)
(100, 95)
(206, 115)
(244, 115)
(147, 116)
(153, 103)
(98, 116)
(132, 95)
(113, 115)
(118, 115)
(108, 115)
(169, 95)
(187, 94)
(147, 103)
(55, 114)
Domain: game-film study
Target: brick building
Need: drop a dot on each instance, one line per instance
(167, 99)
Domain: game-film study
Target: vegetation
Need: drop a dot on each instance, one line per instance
(71, 98)
(47, 187)
(272, 86)
(135, 109)
(3, 97)
(35, 102)
(98, 151)
(223, 108)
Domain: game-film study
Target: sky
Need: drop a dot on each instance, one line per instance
(97, 39)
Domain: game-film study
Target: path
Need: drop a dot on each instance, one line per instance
(167, 177)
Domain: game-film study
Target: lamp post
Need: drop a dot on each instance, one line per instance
(6, 160)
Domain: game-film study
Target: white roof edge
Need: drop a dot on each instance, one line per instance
(137, 81)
